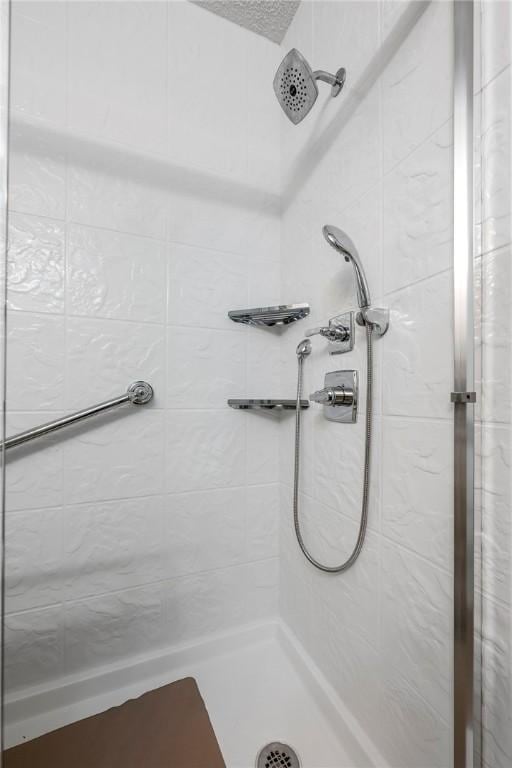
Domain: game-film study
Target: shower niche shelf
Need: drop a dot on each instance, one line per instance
(282, 314)
(266, 405)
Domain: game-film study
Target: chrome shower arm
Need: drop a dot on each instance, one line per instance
(337, 81)
(325, 77)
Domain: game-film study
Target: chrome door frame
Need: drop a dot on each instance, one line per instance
(463, 395)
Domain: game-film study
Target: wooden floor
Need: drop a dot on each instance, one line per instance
(165, 728)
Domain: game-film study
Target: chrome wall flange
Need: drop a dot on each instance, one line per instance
(140, 392)
(377, 316)
(341, 76)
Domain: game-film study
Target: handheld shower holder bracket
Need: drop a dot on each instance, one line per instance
(339, 333)
(377, 316)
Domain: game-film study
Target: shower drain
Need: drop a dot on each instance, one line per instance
(277, 755)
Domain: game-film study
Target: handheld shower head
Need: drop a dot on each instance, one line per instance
(342, 243)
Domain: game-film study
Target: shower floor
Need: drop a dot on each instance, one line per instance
(256, 682)
(255, 696)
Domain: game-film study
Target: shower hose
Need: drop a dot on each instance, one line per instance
(366, 473)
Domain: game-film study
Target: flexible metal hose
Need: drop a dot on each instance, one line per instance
(366, 474)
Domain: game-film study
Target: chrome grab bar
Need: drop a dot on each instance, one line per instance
(138, 393)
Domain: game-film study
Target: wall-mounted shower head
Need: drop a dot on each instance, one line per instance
(295, 85)
(342, 243)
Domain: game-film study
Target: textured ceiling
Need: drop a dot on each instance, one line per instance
(270, 18)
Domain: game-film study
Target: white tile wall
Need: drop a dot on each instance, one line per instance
(417, 235)
(145, 204)
(37, 172)
(35, 477)
(494, 318)
(418, 80)
(36, 264)
(416, 363)
(38, 64)
(108, 72)
(114, 275)
(382, 631)
(417, 486)
(37, 349)
(145, 190)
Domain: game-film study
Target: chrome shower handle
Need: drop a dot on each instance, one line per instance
(316, 331)
(331, 332)
(333, 396)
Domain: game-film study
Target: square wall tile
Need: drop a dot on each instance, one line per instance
(37, 170)
(35, 278)
(262, 521)
(496, 325)
(117, 59)
(262, 447)
(105, 356)
(198, 605)
(34, 573)
(417, 487)
(217, 214)
(115, 275)
(338, 468)
(354, 42)
(497, 684)
(111, 628)
(496, 492)
(205, 449)
(496, 156)
(418, 213)
(495, 36)
(349, 153)
(204, 286)
(112, 545)
(417, 625)
(205, 367)
(34, 476)
(114, 188)
(38, 60)
(416, 86)
(263, 350)
(417, 350)
(35, 374)
(33, 647)
(263, 114)
(262, 581)
(203, 531)
(207, 92)
(120, 458)
(412, 733)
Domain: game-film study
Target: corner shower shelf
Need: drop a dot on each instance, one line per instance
(283, 314)
(266, 405)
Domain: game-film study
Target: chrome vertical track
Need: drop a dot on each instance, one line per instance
(5, 86)
(463, 395)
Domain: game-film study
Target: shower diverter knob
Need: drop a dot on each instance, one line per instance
(333, 396)
(339, 333)
(339, 396)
